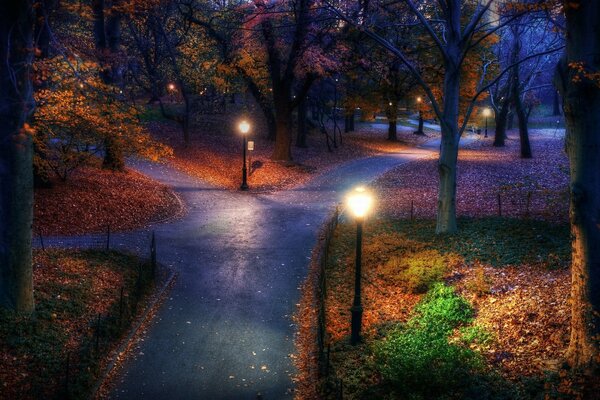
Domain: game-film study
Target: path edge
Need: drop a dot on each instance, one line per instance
(120, 353)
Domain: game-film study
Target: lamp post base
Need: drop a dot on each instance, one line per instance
(357, 312)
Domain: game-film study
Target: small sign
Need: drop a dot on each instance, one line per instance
(251, 145)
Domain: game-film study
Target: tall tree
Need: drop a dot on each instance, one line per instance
(16, 152)
(578, 79)
(457, 29)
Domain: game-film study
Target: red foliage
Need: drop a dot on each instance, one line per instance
(93, 198)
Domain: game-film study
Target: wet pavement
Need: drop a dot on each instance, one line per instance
(225, 330)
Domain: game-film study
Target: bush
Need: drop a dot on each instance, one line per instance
(418, 270)
(418, 359)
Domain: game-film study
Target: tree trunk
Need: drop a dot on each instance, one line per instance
(42, 28)
(523, 130)
(302, 128)
(282, 93)
(16, 152)
(446, 213)
(556, 105)
(516, 94)
(581, 105)
(283, 142)
(500, 118)
(511, 120)
(349, 120)
(113, 155)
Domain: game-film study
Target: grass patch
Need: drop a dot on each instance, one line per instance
(427, 346)
(495, 241)
(417, 358)
(79, 315)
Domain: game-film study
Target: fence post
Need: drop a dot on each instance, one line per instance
(527, 204)
(139, 281)
(67, 373)
(41, 240)
(97, 344)
(108, 237)
(153, 254)
(499, 205)
(328, 358)
(121, 306)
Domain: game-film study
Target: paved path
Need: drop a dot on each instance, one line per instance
(225, 331)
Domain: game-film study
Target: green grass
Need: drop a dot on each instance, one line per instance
(64, 323)
(419, 359)
(496, 241)
(435, 353)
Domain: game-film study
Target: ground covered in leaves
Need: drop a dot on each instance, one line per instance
(488, 307)
(491, 181)
(85, 300)
(92, 199)
(217, 157)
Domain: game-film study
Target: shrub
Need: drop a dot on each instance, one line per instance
(418, 359)
(417, 270)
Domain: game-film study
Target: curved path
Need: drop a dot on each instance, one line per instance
(225, 331)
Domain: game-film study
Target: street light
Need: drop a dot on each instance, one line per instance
(420, 129)
(244, 129)
(486, 114)
(359, 202)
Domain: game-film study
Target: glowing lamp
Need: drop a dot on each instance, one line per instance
(487, 112)
(359, 202)
(244, 127)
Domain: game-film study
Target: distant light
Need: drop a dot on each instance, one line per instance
(171, 86)
(419, 99)
(359, 202)
(81, 85)
(244, 127)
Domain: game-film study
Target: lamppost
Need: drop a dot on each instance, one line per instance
(359, 202)
(486, 114)
(420, 130)
(244, 129)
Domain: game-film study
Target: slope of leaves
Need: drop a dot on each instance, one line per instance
(94, 198)
(217, 158)
(72, 289)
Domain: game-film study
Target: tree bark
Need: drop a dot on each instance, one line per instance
(446, 215)
(556, 104)
(500, 119)
(113, 155)
(581, 105)
(16, 154)
(517, 99)
(283, 119)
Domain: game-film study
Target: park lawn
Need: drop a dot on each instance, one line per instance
(60, 350)
(513, 273)
(92, 199)
(216, 157)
